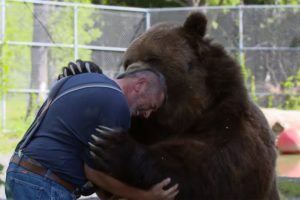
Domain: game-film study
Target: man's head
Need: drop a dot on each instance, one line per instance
(145, 89)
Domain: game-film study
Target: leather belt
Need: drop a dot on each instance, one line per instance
(33, 166)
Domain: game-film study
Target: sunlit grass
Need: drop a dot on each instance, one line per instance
(15, 123)
(289, 188)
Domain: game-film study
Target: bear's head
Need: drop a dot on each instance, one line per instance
(202, 79)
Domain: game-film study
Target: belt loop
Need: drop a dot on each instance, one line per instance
(48, 174)
(19, 153)
(20, 156)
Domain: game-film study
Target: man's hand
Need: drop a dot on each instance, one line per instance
(123, 191)
(79, 67)
(157, 192)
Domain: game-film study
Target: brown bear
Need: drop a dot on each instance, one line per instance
(209, 136)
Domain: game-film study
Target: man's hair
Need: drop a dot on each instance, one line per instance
(137, 70)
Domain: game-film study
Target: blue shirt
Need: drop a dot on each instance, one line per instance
(61, 142)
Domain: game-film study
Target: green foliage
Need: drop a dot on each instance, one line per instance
(79, 1)
(4, 80)
(179, 3)
(1, 171)
(270, 100)
(18, 62)
(18, 26)
(142, 3)
(224, 2)
(59, 26)
(292, 103)
(246, 72)
(253, 89)
(15, 60)
(88, 31)
(289, 187)
(16, 125)
(291, 88)
(60, 23)
(248, 77)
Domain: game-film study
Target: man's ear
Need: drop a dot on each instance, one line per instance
(139, 85)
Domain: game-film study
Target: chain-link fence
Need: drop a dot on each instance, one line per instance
(39, 37)
(264, 39)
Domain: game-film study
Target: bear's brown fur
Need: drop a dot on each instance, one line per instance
(209, 137)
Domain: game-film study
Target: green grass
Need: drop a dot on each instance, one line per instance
(1, 171)
(16, 125)
(289, 188)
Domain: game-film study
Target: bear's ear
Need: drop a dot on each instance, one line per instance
(196, 24)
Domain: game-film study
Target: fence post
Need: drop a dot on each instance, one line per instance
(241, 35)
(75, 32)
(3, 96)
(3, 110)
(148, 19)
(3, 20)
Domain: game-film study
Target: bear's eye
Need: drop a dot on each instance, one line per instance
(151, 59)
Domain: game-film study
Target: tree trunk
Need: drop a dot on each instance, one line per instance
(196, 3)
(39, 58)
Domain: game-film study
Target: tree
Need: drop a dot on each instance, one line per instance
(50, 24)
(43, 24)
(39, 57)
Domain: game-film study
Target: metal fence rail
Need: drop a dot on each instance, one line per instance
(265, 39)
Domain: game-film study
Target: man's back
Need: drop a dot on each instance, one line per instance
(60, 143)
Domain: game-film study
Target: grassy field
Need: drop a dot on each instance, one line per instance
(289, 188)
(16, 122)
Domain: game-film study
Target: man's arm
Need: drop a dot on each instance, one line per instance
(121, 189)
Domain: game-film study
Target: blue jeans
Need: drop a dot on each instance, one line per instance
(22, 184)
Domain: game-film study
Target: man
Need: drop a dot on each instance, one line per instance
(55, 161)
